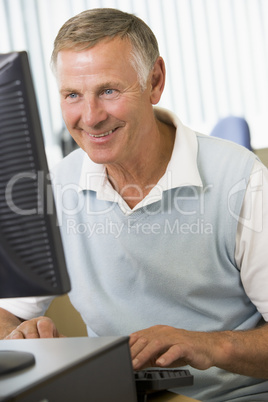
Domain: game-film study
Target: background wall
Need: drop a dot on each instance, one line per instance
(68, 321)
(216, 53)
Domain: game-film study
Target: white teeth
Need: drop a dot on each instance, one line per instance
(101, 135)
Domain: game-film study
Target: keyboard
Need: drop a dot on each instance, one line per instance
(153, 380)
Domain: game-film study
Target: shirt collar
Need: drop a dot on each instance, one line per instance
(182, 169)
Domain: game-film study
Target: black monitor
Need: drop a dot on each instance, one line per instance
(32, 260)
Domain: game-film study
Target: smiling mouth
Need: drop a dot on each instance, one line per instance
(102, 135)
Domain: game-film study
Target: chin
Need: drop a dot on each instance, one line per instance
(101, 156)
(99, 159)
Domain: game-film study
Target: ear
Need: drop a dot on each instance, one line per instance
(158, 77)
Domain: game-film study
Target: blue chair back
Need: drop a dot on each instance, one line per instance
(234, 129)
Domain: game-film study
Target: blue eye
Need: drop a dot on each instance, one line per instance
(109, 91)
(72, 96)
(109, 94)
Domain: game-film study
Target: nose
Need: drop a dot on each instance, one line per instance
(93, 113)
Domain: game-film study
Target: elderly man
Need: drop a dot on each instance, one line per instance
(164, 229)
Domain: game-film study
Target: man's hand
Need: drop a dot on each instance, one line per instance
(166, 346)
(241, 352)
(41, 327)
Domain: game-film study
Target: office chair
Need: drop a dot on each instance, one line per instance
(234, 129)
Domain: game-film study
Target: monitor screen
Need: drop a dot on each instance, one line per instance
(32, 261)
(31, 254)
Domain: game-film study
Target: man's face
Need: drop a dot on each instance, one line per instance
(103, 105)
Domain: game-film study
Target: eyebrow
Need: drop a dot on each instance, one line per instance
(67, 90)
(109, 84)
(99, 88)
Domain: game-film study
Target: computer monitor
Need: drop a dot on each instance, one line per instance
(32, 260)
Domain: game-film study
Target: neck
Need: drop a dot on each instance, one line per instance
(133, 181)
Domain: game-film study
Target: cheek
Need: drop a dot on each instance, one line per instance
(70, 115)
(124, 109)
(114, 108)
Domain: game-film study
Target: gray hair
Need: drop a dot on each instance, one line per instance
(86, 29)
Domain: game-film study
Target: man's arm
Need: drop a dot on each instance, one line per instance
(242, 352)
(12, 327)
(8, 322)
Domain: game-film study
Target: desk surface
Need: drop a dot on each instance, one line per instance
(53, 356)
(70, 369)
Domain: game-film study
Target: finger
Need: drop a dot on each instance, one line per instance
(173, 356)
(16, 334)
(138, 346)
(28, 330)
(132, 339)
(46, 328)
(148, 355)
(41, 327)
